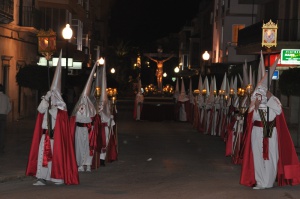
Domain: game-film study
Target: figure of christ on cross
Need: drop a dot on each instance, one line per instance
(159, 70)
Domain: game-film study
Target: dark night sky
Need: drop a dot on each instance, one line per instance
(143, 21)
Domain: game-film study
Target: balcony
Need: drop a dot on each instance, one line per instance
(29, 17)
(250, 38)
(6, 11)
(71, 5)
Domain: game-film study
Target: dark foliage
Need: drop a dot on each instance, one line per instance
(35, 77)
(289, 82)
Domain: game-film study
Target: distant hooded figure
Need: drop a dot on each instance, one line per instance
(268, 152)
(52, 155)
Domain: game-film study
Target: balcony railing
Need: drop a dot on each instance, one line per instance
(30, 17)
(288, 30)
(6, 11)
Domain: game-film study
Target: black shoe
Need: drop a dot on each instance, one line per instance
(102, 162)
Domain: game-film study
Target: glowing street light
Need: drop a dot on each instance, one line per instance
(67, 35)
(112, 70)
(205, 57)
(165, 74)
(176, 69)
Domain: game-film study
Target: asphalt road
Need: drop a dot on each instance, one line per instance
(163, 160)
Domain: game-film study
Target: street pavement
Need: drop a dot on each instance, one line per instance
(166, 159)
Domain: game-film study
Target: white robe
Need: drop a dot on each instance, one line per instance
(82, 148)
(265, 170)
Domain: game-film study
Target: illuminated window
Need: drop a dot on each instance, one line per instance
(235, 31)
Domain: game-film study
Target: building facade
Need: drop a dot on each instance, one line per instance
(20, 22)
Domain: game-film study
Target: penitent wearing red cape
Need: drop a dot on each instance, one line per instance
(288, 168)
(63, 161)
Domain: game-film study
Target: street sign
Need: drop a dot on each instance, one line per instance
(290, 56)
(275, 75)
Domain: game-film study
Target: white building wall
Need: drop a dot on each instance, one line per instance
(223, 50)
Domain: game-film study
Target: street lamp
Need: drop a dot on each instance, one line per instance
(176, 69)
(205, 57)
(112, 70)
(67, 35)
(165, 74)
(47, 46)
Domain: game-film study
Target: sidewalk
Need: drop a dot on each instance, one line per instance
(13, 161)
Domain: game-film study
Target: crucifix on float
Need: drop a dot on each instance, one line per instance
(160, 63)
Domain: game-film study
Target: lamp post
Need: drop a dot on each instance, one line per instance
(67, 35)
(205, 57)
(47, 46)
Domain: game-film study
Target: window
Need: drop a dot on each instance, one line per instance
(235, 31)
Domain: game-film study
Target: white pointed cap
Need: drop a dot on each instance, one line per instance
(176, 93)
(182, 97)
(264, 81)
(231, 82)
(241, 80)
(245, 76)
(206, 85)
(261, 68)
(235, 85)
(200, 83)
(87, 89)
(223, 85)
(104, 97)
(182, 91)
(84, 106)
(215, 84)
(227, 90)
(56, 82)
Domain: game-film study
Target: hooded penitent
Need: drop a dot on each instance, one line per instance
(85, 106)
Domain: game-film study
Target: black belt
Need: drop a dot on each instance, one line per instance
(83, 124)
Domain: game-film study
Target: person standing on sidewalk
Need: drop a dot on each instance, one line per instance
(5, 108)
(52, 155)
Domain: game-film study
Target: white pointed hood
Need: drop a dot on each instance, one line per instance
(223, 85)
(261, 68)
(56, 98)
(84, 106)
(206, 85)
(176, 93)
(200, 84)
(262, 86)
(104, 98)
(182, 96)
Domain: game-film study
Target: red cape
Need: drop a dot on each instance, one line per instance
(64, 164)
(288, 168)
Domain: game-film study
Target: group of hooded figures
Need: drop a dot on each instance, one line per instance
(249, 120)
(252, 125)
(64, 145)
